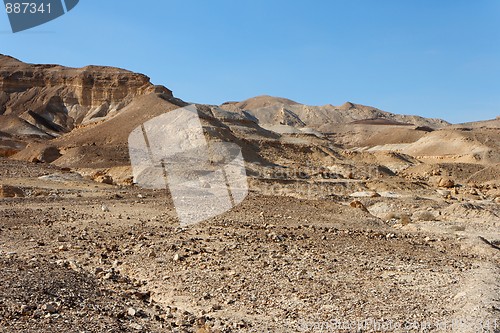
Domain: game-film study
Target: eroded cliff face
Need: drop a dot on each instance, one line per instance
(56, 98)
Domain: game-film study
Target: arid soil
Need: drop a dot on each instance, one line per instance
(357, 219)
(78, 256)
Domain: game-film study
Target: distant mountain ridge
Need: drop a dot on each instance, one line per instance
(281, 111)
(52, 100)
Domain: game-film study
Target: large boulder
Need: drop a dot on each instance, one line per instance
(38, 153)
(48, 155)
(359, 205)
(7, 191)
(446, 183)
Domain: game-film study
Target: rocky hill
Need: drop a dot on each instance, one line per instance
(56, 99)
(47, 101)
(272, 111)
(80, 118)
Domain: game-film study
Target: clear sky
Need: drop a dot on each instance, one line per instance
(435, 58)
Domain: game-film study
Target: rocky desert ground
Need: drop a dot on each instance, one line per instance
(357, 219)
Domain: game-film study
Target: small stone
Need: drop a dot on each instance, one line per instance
(131, 312)
(177, 257)
(105, 208)
(143, 295)
(49, 308)
(136, 326)
(73, 266)
(169, 314)
(204, 329)
(104, 179)
(25, 309)
(443, 193)
(216, 307)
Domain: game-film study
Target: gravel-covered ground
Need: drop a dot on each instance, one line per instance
(77, 256)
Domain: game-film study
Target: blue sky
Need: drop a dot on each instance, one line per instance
(431, 58)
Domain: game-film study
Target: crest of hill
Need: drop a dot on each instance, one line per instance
(261, 102)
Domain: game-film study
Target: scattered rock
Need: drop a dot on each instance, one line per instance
(216, 307)
(136, 326)
(7, 191)
(365, 194)
(26, 309)
(444, 193)
(132, 312)
(104, 179)
(423, 215)
(49, 308)
(446, 183)
(49, 155)
(204, 329)
(359, 205)
(405, 219)
(42, 154)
